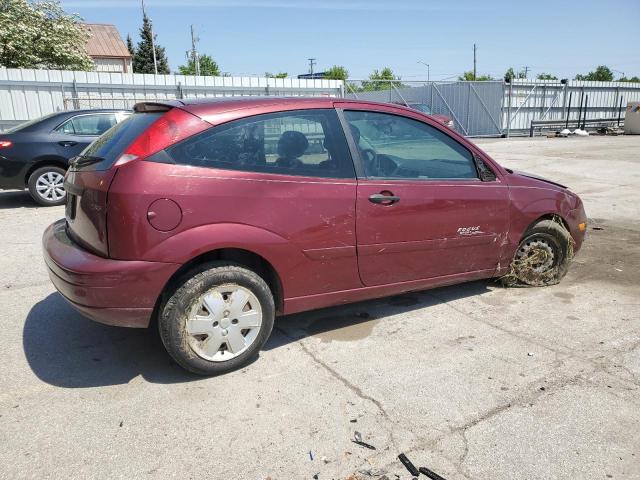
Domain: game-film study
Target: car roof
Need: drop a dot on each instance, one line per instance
(214, 105)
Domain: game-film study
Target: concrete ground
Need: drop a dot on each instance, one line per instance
(473, 381)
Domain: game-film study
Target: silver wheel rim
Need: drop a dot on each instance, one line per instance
(224, 322)
(536, 254)
(50, 186)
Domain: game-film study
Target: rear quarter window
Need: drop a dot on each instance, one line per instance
(104, 151)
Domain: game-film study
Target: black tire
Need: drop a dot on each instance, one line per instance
(543, 256)
(174, 312)
(32, 185)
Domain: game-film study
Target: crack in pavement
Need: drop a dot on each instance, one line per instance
(335, 374)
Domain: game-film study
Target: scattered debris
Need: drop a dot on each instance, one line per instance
(530, 354)
(430, 473)
(353, 420)
(310, 455)
(121, 422)
(325, 460)
(357, 439)
(408, 465)
(542, 388)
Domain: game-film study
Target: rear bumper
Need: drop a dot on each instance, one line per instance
(114, 292)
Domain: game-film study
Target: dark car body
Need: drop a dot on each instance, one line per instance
(149, 203)
(50, 141)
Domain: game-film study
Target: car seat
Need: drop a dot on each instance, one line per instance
(291, 145)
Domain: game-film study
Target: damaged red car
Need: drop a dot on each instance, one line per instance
(208, 218)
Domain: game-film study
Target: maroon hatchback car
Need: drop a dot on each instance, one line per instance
(211, 217)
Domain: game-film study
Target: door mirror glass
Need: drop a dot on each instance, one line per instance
(393, 146)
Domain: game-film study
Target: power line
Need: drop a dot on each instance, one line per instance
(312, 62)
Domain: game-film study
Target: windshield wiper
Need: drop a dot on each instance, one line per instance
(84, 160)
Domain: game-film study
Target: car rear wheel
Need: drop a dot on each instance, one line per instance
(46, 186)
(217, 319)
(543, 256)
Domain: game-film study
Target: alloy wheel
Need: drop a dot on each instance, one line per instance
(50, 186)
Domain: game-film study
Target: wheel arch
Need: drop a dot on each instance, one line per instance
(45, 162)
(547, 216)
(237, 256)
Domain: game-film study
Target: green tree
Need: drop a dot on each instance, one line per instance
(130, 47)
(41, 35)
(632, 79)
(208, 67)
(546, 76)
(381, 80)
(468, 77)
(143, 58)
(337, 72)
(602, 73)
(276, 75)
(510, 74)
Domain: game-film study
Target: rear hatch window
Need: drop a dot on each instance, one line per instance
(103, 153)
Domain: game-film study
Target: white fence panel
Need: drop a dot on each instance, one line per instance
(26, 94)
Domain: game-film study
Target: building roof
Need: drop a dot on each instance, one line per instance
(105, 41)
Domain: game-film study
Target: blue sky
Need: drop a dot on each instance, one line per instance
(250, 37)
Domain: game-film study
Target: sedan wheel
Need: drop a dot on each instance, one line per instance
(46, 186)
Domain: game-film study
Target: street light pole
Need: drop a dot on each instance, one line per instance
(153, 43)
(428, 73)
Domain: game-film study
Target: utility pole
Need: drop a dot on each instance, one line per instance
(194, 52)
(153, 43)
(526, 71)
(312, 62)
(474, 61)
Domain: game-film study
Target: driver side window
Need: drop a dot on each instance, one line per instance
(397, 147)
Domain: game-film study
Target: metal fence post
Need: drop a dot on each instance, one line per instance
(76, 99)
(509, 108)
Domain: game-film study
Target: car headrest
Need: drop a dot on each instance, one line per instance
(292, 144)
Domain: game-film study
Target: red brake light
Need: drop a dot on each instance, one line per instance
(5, 143)
(173, 126)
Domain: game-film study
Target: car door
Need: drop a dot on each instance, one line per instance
(75, 134)
(422, 210)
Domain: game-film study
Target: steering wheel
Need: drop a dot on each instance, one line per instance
(382, 165)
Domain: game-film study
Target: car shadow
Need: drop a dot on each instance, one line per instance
(67, 350)
(16, 199)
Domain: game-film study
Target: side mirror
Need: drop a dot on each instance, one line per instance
(484, 172)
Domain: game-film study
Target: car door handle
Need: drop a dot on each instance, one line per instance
(383, 199)
(67, 143)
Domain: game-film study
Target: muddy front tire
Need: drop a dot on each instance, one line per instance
(217, 319)
(543, 256)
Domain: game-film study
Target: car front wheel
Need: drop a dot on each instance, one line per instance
(543, 256)
(217, 319)
(46, 186)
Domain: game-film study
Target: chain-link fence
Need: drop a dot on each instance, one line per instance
(474, 107)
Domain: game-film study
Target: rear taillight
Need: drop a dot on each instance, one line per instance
(172, 127)
(5, 143)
